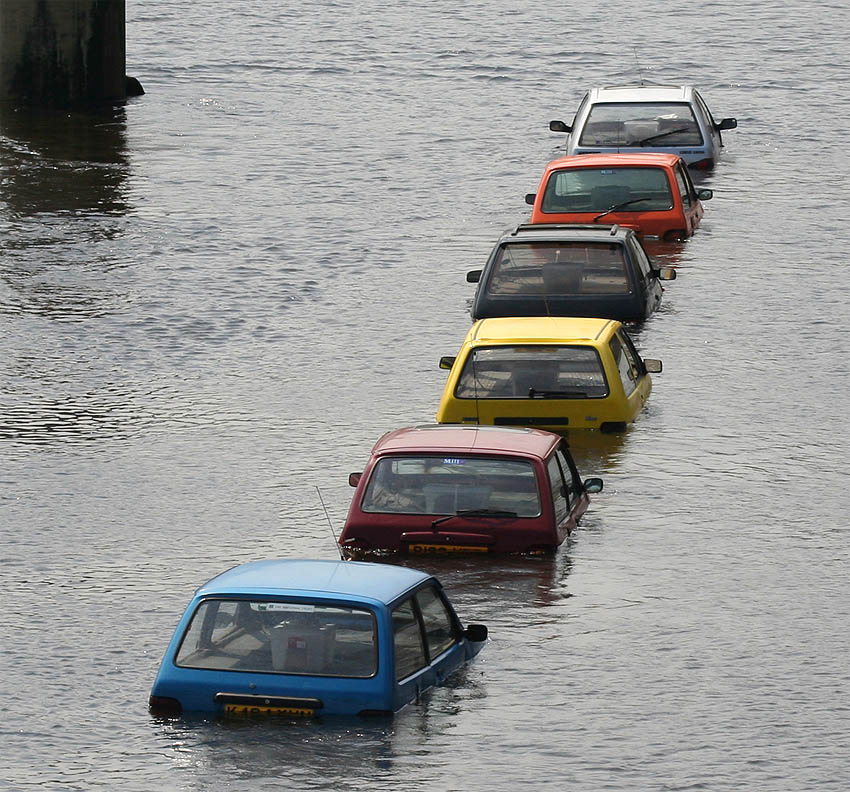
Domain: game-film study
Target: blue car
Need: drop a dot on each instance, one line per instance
(309, 638)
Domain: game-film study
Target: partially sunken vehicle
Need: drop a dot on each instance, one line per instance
(308, 638)
(657, 118)
(650, 193)
(553, 372)
(569, 270)
(466, 489)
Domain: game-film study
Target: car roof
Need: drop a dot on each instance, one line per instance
(566, 232)
(642, 93)
(324, 579)
(456, 438)
(540, 329)
(630, 159)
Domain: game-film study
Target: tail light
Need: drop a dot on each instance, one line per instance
(165, 707)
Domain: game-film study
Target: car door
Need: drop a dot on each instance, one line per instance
(578, 119)
(691, 206)
(569, 501)
(635, 381)
(427, 642)
(709, 125)
(650, 288)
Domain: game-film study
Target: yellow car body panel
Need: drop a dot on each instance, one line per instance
(612, 409)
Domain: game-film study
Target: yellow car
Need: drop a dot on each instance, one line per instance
(552, 372)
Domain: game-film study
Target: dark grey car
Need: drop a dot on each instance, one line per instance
(568, 270)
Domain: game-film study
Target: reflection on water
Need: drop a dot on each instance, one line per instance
(474, 584)
(328, 753)
(268, 748)
(596, 453)
(63, 162)
(64, 180)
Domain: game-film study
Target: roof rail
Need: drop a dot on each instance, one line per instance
(543, 227)
(641, 85)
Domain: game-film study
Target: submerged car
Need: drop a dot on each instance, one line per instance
(569, 270)
(308, 638)
(658, 118)
(650, 193)
(466, 489)
(556, 373)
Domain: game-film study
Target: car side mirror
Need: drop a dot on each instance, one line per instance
(728, 123)
(705, 194)
(652, 366)
(447, 361)
(475, 633)
(530, 198)
(593, 485)
(354, 479)
(473, 276)
(559, 126)
(666, 273)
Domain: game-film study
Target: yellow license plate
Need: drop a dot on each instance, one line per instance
(254, 709)
(445, 548)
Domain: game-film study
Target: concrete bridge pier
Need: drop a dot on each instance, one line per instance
(63, 53)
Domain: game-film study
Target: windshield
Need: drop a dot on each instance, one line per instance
(631, 189)
(641, 124)
(452, 484)
(532, 372)
(280, 637)
(558, 269)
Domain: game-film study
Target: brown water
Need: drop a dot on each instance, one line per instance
(216, 299)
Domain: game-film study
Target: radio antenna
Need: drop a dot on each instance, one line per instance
(330, 525)
(637, 63)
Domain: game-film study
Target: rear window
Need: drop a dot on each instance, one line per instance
(641, 124)
(558, 269)
(449, 484)
(532, 372)
(280, 637)
(632, 189)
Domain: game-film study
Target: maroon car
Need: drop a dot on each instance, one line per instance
(466, 489)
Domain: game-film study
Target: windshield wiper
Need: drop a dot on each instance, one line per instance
(660, 135)
(534, 393)
(619, 206)
(474, 513)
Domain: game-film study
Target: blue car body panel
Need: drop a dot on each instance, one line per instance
(376, 588)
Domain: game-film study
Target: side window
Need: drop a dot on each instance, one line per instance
(703, 109)
(439, 627)
(687, 177)
(579, 111)
(639, 255)
(626, 364)
(570, 472)
(682, 184)
(559, 490)
(407, 639)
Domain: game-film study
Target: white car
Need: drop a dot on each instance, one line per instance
(661, 119)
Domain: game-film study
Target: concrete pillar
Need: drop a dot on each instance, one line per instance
(62, 53)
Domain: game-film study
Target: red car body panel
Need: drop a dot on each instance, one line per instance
(368, 531)
(678, 222)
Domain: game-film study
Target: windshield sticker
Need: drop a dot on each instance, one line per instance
(454, 461)
(283, 606)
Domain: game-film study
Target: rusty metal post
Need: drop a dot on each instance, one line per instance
(62, 53)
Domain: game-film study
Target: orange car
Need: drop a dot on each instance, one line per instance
(651, 193)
